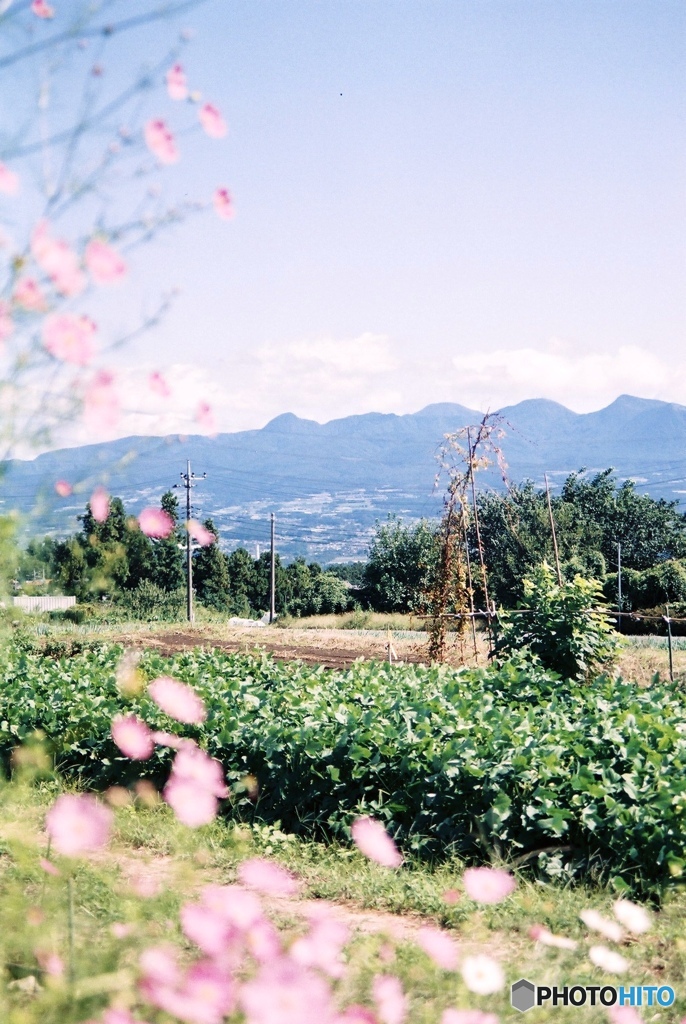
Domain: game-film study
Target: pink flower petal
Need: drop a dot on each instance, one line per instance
(177, 700)
(205, 417)
(101, 406)
(390, 1000)
(59, 262)
(439, 946)
(192, 805)
(160, 142)
(266, 876)
(42, 9)
(176, 83)
(155, 522)
(9, 181)
(212, 121)
(100, 504)
(158, 384)
(78, 824)
(69, 338)
(223, 204)
(28, 294)
(133, 737)
(200, 534)
(488, 885)
(193, 765)
(372, 839)
(63, 488)
(104, 263)
(48, 866)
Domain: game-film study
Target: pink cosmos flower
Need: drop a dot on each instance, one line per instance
(158, 384)
(59, 262)
(223, 204)
(206, 995)
(48, 867)
(155, 522)
(205, 417)
(372, 839)
(540, 934)
(323, 946)
(121, 930)
(63, 488)
(160, 142)
(200, 534)
(99, 502)
(468, 1017)
(42, 9)
(168, 739)
(207, 928)
(266, 876)
(176, 83)
(9, 181)
(51, 963)
(101, 406)
(488, 885)
(285, 993)
(212, 121)
(597, 923)
(193, 765)
(6, 324)
(133, 737)
(78, 824)
(104, 263)
(439, 946)
(482, 975)
(390, 1000)
(635, 919)
(28, 294)
(70, 338)
(608, 960)
(356, 1014)
(624, 1015)
(178, 701)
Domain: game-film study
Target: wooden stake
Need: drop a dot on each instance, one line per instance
(469, 581)
(552, 530)
(479, 545)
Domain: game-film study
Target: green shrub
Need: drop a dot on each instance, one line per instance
(153, 604)
(562, 625)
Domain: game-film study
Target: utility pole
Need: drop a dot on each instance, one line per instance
(272, 576)
(188, 482)
(619, 584)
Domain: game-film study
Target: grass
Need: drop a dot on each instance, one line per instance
(152, 853)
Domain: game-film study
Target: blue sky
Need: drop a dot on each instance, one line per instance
(477, 201)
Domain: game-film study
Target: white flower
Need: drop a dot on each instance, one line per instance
(547, 938)
(607, 960)
(597, 923)
(482, 975)
(635, 919)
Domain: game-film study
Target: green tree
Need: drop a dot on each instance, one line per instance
(167, 561)
(401, 563)
(211, 573)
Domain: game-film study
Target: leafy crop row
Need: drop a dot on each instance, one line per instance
(564, 776)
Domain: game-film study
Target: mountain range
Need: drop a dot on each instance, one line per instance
(329, 483)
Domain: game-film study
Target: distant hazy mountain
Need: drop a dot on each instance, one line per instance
(329, 483)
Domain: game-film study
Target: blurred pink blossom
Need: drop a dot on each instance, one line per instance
(28, 294)
(323, 945)
(101, 406)
(193, 765)
(284, 993)
(114, 1015)
(624, 1015)
(178, 701)
(200, 534)
(266, 876)
(540, 934)
(608, 960)
(6, 324)
(176, 83)
(488, 885)
(594, 920)
(635, 919)
(357, 1014)
(160, 142)
(451, 1016)
(78, 824)
(439, 946)
(482, 974)
(42, 9)
(212, 121)
(223, 203)
(48, 866)
(390, 1000)
(63, 488)
(205, 417)
(9, 181)
(158, 384)
(155, 522)
(133, 737)
(69, 337)
(104, 263)
(99, 502)
(372, 839)
(59, 262)
(51, 963)
(168, 739)
(120, 930)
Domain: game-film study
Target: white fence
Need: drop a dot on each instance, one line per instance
(43, 604)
